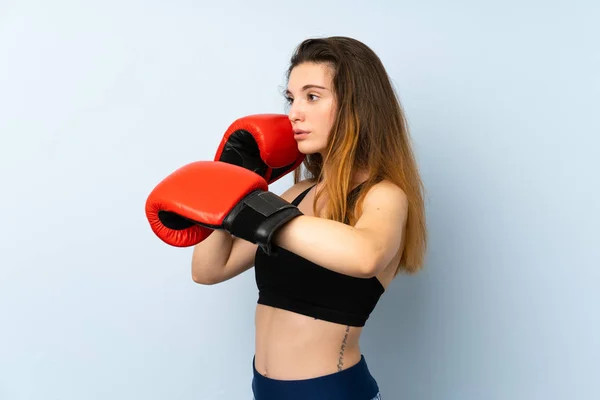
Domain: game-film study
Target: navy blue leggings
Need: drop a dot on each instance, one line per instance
(354, 383)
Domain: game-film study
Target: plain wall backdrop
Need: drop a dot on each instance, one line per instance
(101, 100)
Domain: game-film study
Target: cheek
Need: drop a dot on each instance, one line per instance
(327, 116)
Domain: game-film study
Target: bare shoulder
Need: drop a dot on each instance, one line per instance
(386, 194)
(382, 221)
(384, 204)
(292, 192)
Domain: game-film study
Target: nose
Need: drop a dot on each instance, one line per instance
(296, 113)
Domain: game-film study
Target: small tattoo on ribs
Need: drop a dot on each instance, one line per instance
(342, 348)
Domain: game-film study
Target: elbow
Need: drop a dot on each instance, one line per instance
(371, 264)
(366, 268)
(368, 271)
(204, 280)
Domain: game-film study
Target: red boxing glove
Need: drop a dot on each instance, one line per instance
(166, 209)
(263, 143)
(216, 195)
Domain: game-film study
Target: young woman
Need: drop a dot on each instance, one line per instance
(362, 223)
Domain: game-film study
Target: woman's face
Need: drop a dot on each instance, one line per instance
(312, 106)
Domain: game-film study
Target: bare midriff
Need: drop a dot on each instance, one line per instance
(291, 346)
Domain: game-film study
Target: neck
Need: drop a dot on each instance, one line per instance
(357, 178)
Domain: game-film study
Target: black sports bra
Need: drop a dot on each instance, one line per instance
(290, 282)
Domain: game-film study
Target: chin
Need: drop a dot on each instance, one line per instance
(308, 148)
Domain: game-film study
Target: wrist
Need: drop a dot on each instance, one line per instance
(259, 217)
(285, 233)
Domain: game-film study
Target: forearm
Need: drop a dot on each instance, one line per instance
(330, 244)
(211, 255)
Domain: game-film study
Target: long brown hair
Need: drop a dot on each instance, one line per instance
(369, 133)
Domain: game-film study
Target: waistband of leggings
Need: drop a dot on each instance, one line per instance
(354, 383)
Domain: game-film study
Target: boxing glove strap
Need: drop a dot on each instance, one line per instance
(258, 216)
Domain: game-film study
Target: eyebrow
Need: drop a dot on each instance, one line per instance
(305, 87)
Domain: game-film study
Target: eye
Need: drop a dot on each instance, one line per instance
(288, 100)
(313, 97)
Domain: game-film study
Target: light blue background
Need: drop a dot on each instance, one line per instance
(100, 100)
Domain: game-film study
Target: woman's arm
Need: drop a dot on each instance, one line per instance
(221, 256)
(360, 251)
